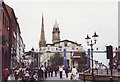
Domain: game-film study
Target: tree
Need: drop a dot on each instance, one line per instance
(81, 61)
(56, 59)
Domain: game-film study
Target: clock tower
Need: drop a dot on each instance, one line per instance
(55, 33)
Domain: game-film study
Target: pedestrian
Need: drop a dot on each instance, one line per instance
(74, 73)
(40, 74)
(46, 70)
(35, 77)
(56, 69)
(43, 68)
(60, 70)
(51, 71)
(21, 73)
(66, 72)
(16, 73)
(6, 74)
(27, 75)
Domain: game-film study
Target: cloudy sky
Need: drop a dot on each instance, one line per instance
(76, 19)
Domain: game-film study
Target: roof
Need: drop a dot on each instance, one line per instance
(67, 41)
(56, 24)
(5, 8)
(63, 41)
(12, 13)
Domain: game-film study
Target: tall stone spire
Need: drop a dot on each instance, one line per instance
(42, 42)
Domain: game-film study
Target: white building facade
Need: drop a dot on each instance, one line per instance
(20, 47)
(51, 49)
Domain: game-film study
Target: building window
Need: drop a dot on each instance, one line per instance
(7, 25)
(5, 22)
(3, 18)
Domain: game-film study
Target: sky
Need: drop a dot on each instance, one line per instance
(76, 19)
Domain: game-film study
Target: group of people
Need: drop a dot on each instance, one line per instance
(34, 75)
(67, 70)
(27, 74)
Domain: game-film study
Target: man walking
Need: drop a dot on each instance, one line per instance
(40, 74)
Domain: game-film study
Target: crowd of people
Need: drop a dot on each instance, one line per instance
(40, 74)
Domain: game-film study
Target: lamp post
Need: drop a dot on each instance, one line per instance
(91, 42)
(71, 59)
(32, 56)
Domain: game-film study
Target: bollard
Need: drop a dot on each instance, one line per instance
(84, 78)
(111, 79)
(94, 78)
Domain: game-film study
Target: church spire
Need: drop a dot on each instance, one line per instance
(42, 21)
(42, 42)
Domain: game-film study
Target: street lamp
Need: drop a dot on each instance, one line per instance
(32, 55)
(90, 43)
(71, 58)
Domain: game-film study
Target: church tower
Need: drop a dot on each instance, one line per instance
(55, 33)
(42, 42)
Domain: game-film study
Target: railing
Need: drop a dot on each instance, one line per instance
(101, 75)
(106, 72)
(103, 72)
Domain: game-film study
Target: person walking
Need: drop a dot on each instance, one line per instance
(51, 71)
(56, 70)
(16, 73)
(27, 76)
(40, 74)
(6, 74)
(66, 72)
(74, 73)
(46, 70)
(60, 70)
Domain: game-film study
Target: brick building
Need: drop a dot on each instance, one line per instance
(4, 38)
(14, 28)
(11, 41)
